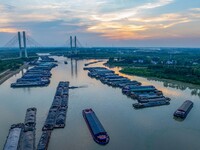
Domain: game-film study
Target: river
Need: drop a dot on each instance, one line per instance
(129, 129)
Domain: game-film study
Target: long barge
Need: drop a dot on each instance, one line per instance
(22, 136)
(28, 138)
(57, 114)
(13, 138)
(27, 84)
(44, 140)
(147, 96)
(38, 76)
(150, 104)
(96, 129)
(184, 109)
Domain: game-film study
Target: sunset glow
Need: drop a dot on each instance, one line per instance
(103, 20)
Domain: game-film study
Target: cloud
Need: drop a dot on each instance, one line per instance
(8, 30)
(131, 11)
(110, 19)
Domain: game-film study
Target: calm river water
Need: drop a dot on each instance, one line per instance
(129, 129)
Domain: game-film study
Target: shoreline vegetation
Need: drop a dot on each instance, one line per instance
(8, 68)
(9, 73)
(176, 74)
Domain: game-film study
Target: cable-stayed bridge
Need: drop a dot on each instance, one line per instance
(24, 41)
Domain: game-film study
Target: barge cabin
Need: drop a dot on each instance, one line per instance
(184, 109)
(98, 132)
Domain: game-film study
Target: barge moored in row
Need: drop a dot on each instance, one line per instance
(44, 140)
(184, 109)
(38, 76)
(28, 138)
(147, 96)
(22, 136)
(98, 132)
(13, 139)
(57, 114)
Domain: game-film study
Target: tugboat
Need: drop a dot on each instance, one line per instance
(96, 129)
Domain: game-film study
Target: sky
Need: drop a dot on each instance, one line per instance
(117, 23)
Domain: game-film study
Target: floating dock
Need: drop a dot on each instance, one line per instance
(184, 109)
(98, 132)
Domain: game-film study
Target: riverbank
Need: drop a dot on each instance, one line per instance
(160, 73)
(9, 73)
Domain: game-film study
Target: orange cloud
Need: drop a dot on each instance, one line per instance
(8, 30)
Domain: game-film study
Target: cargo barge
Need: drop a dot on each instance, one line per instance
(147, 96)
(57, 114)
(98, 132)
(28, 84)
(94, 62)
(28, 138)
(13, 138)
(58, 110)
(184, 109)
(22, 136)
(150, 104)
(44, 140)
(38, 76)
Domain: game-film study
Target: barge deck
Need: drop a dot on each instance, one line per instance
(184, 109)
(98, 132)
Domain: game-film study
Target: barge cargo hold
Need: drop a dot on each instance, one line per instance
(44, 140)
(37, 76)
(147, 96)
(150, 104)
(28, 138)
(98, 132)
(58, 110)
(28, 84)
(184, 109)
(57, 114)
(13, 139)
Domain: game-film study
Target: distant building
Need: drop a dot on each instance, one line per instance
(171, 62)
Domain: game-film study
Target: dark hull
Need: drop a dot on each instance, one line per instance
(94, 137)
(186, 112)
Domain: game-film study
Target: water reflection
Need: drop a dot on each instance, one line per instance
(74, 67)
(195, 89)
(147, 129)
(76, 70)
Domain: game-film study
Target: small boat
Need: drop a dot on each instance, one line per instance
(65, 62)
(184, 109)
(96, 129)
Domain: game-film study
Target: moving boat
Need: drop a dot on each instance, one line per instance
(184, 109)
(98, 132)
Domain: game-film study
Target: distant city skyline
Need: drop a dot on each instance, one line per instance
(105, 23)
